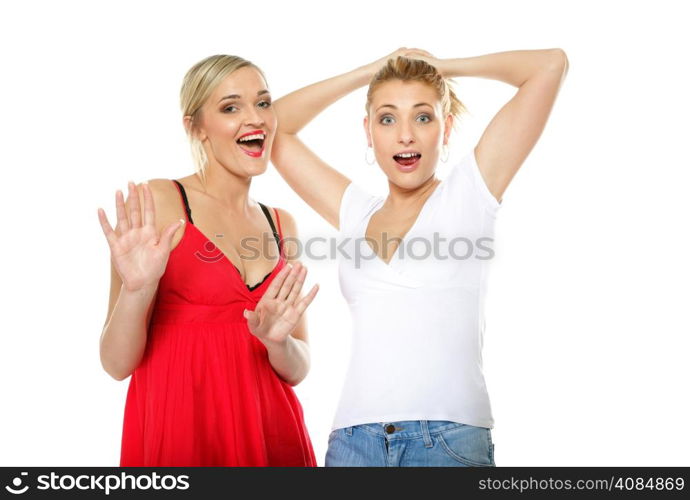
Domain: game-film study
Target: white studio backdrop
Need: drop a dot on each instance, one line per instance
(587, 327)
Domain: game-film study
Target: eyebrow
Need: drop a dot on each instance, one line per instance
(237, 96)
(395, 107)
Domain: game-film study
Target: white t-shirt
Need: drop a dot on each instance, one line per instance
(418, 322)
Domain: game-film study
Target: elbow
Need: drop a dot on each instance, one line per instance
(299, 375)
(296, 378)
(296, 381)
(559, 60)
(118, 375)
(117, 372)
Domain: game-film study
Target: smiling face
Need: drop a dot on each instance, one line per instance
(407, 129)
(236, 123)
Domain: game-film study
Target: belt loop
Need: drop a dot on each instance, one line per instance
(425, 433)
(348, 431)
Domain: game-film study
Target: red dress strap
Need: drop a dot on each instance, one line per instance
(280, 231)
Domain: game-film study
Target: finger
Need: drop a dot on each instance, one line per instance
(166, 238)
(122, 221)
(134, 208)
(107, 228)
(289, 282)
(277, 282)
(149, 209)
(297, 287)
(304, 303)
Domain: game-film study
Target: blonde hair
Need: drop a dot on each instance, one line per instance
(198, 84)
(415, 70)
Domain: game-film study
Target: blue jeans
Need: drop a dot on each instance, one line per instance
(411, 443)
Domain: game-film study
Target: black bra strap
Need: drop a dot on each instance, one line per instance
(270, 221)
(263, 207)
(186, 203)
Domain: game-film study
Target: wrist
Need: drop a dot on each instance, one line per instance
(364, 74)
(146, 291)
(450, 68)
(276, 345)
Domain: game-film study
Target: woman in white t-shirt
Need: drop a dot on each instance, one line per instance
(413, 265)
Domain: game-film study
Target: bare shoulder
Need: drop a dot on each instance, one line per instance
(288, 227)
(167, 204)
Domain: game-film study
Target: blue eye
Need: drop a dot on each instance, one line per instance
(227, 110)
(386, 120)
(424, 118)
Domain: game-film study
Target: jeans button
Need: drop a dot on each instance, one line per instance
(390, 428)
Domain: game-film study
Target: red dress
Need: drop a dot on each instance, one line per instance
(205, 393)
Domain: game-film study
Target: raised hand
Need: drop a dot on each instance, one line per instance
(137, 252)
(277, 313)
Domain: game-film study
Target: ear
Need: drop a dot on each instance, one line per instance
(187, 124)
(448, 129)
(367, 131)
(192, 130)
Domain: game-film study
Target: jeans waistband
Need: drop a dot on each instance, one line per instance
(406, 429)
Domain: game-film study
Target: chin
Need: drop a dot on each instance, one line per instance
(257, 170)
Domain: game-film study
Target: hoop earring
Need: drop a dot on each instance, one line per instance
(445, 153)
(366, 156)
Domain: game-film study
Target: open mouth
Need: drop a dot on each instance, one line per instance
(252, 143)
(407, 159)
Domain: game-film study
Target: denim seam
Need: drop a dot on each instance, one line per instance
(457, 457)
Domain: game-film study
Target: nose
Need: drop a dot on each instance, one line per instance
(254, 118)
(405, 137)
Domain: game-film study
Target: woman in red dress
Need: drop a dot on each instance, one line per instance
(213, 349)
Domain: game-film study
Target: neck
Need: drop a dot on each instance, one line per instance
(225, 187)
(399, 197)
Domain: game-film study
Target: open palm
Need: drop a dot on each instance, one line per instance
(278, 311)
(137, 252)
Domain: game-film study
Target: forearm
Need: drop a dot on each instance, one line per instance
(289, 359)
(123, 339)
(512, 67)
(298, 108)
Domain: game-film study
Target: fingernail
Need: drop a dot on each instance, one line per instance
(182, 221)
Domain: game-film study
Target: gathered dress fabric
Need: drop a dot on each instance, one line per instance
(205, 393)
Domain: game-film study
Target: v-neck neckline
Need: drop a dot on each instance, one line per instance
(249, 288)
(403, 239)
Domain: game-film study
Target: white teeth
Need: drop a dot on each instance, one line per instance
(407, 155)
(252, 137)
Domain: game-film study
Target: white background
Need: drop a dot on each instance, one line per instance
(586, 345)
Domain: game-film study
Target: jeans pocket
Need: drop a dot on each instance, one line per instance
(469, 445)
